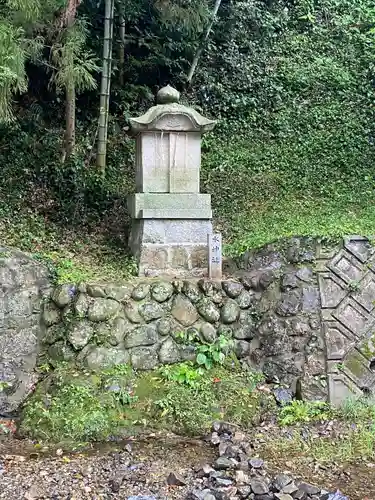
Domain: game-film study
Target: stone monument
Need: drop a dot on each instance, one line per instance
(171, 219)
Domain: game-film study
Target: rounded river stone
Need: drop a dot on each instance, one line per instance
(132, 313)
(244, 300)
(141, 335)
(191, 291)
(184, 311)
(208, 332)
(241, 348)
(140, 292)
(82, 304)
(101, 358)
(230, 312)
(80, 334)
(164, 327)
(161, 291)
(144, 358)
(102, 309)
(232, 288)
(208, 310)
(150, 311)
(51, 314)
(169, 352)
(63, 295)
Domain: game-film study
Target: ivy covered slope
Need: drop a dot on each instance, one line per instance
(291, 83)
(296, 99)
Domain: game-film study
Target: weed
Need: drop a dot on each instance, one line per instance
(44, 368)
(190, 336)
(183, 373)
(298, 412)
(354, 286)
(73, 411)
(357, 410)
(121, 370)
(4, 386)
(218, 393)
(352, 444)
(209, 355)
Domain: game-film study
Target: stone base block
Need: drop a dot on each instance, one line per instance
(170, 206)
(175, 248)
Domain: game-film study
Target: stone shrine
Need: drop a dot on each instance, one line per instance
(171, 219)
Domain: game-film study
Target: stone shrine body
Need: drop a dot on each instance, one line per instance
(171, 219)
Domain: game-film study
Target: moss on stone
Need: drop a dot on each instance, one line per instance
(355, 366)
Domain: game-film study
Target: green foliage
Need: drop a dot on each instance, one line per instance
(74, 63)
(294, 150)
(183, 373)
(117, 370)
(352, 444)
(73, 413)
(18, 44)
(354, 286)
(358, 410)
(209, 355)
(219, 393)
(292, 154)
(12, 67)
(76, 406)
(302, 412)
(4, 386)
(355, 439)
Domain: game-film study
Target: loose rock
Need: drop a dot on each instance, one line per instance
(175, 479)
(223, 463)
(259, 487)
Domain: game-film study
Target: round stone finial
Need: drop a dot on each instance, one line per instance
(167, 95)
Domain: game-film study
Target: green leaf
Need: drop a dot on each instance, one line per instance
(201, 359)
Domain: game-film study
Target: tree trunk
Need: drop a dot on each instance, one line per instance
(198, 54)
(70, 91)
(105, 85)
(122, 45)
(70, 121)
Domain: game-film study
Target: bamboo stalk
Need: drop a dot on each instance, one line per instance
(105, 86)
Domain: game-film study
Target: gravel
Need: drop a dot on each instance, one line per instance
(167, 468)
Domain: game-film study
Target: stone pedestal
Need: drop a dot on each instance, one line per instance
(170, 217)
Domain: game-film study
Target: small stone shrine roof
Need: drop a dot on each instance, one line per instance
(168, 104)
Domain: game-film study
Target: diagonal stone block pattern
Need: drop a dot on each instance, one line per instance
(347, 292)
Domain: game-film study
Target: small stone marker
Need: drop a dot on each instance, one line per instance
(215, 260)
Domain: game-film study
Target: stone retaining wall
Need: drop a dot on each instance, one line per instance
(23, 284)
(271, 313)
(299, 310)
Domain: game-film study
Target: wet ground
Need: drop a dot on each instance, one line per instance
(102, 472)
(141, 466)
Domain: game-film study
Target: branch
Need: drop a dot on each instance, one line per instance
(203, 42)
